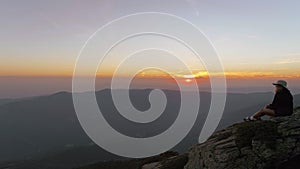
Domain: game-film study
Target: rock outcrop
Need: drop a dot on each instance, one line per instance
(265, 144)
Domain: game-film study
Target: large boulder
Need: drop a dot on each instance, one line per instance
(273, 143)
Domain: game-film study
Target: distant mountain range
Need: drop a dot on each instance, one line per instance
(44, 132)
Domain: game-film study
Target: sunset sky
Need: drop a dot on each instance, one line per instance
(40, 40)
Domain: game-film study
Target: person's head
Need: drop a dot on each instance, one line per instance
(278, 88)
(280, 85)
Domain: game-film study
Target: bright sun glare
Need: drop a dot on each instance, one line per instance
(188, 80)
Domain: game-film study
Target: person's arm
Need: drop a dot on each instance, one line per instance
(274, 104)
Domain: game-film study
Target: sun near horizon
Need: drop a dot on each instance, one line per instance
(40, 44)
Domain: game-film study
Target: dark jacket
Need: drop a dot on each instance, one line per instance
(282, 103)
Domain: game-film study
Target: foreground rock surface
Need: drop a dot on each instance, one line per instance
(267, 144)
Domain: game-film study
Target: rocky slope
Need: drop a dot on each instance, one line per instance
(266, 144)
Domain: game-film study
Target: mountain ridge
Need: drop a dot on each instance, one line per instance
(29, 126)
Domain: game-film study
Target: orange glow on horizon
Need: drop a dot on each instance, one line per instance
(156, 74)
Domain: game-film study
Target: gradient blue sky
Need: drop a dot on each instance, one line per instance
(43, 38)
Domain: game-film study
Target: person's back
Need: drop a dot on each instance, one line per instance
(282, 103)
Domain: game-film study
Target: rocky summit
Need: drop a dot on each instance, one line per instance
(265, 144)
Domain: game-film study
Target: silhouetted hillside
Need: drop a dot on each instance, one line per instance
(47, 126)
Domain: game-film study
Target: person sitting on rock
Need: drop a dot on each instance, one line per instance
(282, 104)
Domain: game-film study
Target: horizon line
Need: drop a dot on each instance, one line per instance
(227, 75)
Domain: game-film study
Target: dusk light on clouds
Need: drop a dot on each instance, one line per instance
(254, 39)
